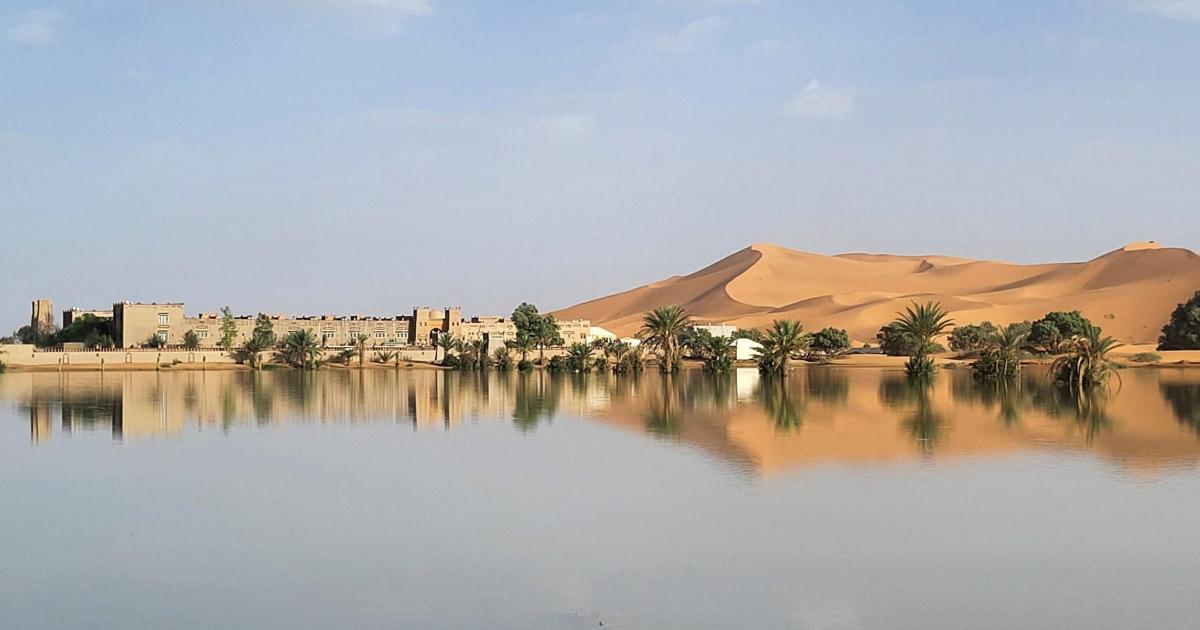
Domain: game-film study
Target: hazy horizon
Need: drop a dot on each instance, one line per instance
(366, 156)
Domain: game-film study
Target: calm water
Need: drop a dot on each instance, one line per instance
(843, 498)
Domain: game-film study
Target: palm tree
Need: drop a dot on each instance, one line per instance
(784, 338)
(360, 347)
(448, 343)
(1001, 354)
(384, 356)
(662, 329)
(300, 348)
(579, 356)
(921, 324)
(522, 343)
(479, 353)
(501, 359)
(1086, 363)
(716, 351)
(253, 348)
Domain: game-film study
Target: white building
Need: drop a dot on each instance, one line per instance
(723, 330)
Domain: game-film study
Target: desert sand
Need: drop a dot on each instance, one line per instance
(1129, 292)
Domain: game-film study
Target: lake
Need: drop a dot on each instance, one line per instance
(838, 498)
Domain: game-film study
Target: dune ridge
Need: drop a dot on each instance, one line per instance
(1130, 292)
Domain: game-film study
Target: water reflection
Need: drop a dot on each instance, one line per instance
(818, 414)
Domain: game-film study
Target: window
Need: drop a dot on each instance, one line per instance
(203, 334)
(380, 334)
(162, 318)
(162, 334)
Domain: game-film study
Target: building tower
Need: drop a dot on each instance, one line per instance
(42, 319)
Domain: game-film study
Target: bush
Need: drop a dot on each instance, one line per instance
(1052, 330)
(1146, 357)
(556, 364)
(830, 341)
(1182, 332)
(971, 337)
(893, 342)
(524, 365)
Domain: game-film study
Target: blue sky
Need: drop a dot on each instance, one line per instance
(311, 156)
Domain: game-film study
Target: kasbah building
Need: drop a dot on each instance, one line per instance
(133, 324)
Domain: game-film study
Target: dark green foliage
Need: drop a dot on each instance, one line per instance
(717, 352)
(893, 342)
(783, 339)
(263, 331)
(557, 364)
(535, 330)
(830, 341)
(300, 349)
(502, 360)
(1052, 331)
(579, 357)
(1146, 357)
(663, 330)
(971, 337)
(524, 365)
(191, 340)
(921, 323)
(1000, 353)
(228, 328)
(96, 340)
(153, 341)
(1182, 332)
(1086, 363)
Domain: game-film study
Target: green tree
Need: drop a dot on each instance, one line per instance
(972, 337)
(154, 341)
(253, 348)
(264, 330)
(921, 324)
(300, 349)
(1086, 363)
(1000, 353)
(715, 351)
(1182, 332)
(448, 343)
(502, 359)
(579, 357)
(662, 330)
(784, 338)
(228, 328)
(1053, 332)
(831, 341)
(536, 330)
(191, 340)
(360, 348)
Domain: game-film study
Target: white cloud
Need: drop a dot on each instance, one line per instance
(567, 127)
(33, 28)
(768, 47)
(374, 17)
(821, 102)
(1173, 9)
(689, 35)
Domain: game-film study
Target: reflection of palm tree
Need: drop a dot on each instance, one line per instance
(536, 397)
(924, 425)
(779, 404)
(1184, 400)
(662, 411)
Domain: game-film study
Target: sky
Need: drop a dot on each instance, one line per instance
(368, 156)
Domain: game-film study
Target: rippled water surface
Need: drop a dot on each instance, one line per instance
(841, 498)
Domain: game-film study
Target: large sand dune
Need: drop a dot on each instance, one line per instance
(1129, 292)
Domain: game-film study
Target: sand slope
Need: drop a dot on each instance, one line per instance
(1130, 292)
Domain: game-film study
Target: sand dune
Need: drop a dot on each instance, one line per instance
(1130, 292)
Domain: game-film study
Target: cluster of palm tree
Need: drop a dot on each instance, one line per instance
(664, 330)
(779, 343)
(1086, 363)
(920, 324)
(1000, 356)
(300, 349)
(716, 352)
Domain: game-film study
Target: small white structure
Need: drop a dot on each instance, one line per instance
(596, 332)
(632, 342)
(746, 349)
(723, 330)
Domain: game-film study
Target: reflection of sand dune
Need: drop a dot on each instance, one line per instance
(1130, 292)
(818, 416)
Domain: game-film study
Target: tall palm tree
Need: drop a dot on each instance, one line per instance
(360, 347)
(921, 324)
(1086, 363)
(784, 338)
(253, 348)
(1001, 354)
(300, 348)
(448, 343)
(522, 343)
(716, 351)
(662, 329)
(579, 356)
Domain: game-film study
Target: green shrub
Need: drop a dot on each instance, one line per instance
(1146, 357)
(1182, 332)
(557, 364)
(830, 341)
(971, 337)
(524, 365)
(1053, 330)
